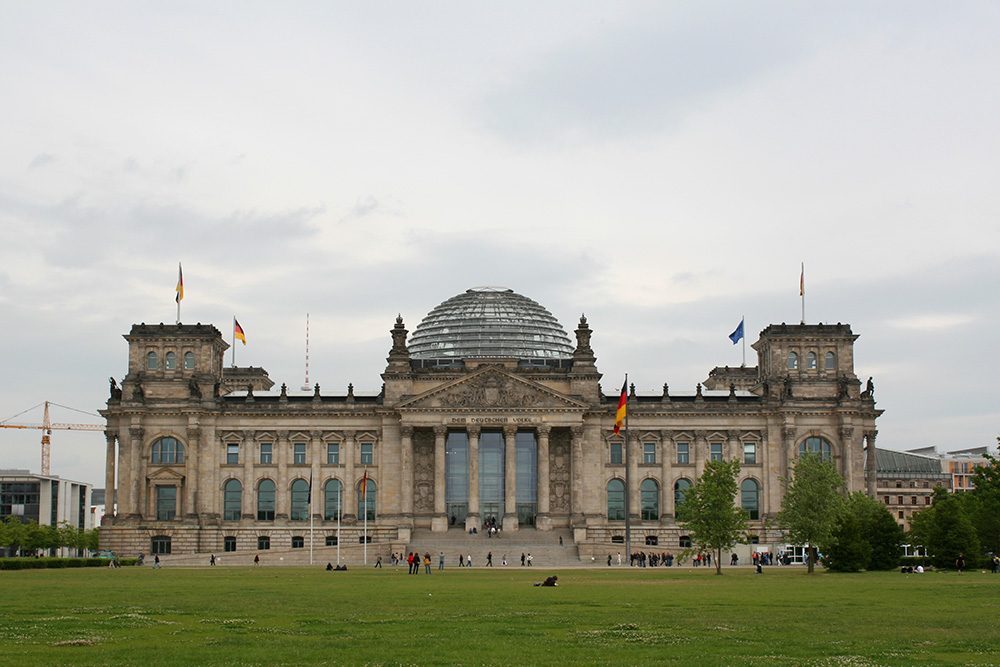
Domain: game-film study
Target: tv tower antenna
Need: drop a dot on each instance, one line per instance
(305, 387)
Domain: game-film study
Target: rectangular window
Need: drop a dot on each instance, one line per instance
(716, 451)
(899, 500)
(265, 452)
(749, 452)
(683, 452)
(263, 543)
(298, 542)
(616, 453)
(649, 452)
(913, 500)
(166, 503)
(333, 453)
(299, 455)
(229, 543)
(366, 453)
(160, 545)
(232, 454)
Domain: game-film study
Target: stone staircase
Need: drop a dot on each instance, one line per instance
(542, 545)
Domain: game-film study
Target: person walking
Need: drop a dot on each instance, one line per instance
(489, 559)
(529, 560)
(427, 562)
(522, 559)
(468, 561)
(503, 561)
(378, 562)
(441, 561)
(461, 560)
(960, 563)
(256, 560)
(156, 562)
(211, 560)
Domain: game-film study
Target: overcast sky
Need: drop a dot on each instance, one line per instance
(662, 167)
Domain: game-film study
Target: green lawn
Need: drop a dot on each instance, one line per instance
(613, 616)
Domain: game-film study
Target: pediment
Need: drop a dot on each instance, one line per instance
(166, 474)
(492, 388)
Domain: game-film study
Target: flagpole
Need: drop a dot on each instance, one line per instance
(234, 341)
(802, 291)
(365, 492)
(743, 320)
(180, 290)
(311, 517)
(340, 512)
(628, 484)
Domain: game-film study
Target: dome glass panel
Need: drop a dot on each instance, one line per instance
(490, 322)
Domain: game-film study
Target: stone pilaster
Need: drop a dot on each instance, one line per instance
(788, 435)
(350, 509)
(543, 521)
(406, 461)
(576, 474)
(316, 475)
(633, 475)
(668, 454)
(281, 492)
(871, 479)
(191, 472)
(136, 477)
(699, 453)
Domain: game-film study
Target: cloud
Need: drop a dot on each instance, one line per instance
(41, 160)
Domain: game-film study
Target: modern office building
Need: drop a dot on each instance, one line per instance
(489, 412)
(45, 499)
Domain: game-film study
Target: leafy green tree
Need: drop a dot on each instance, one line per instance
(811, 506)
(15, 532)
(866, 537)
(985, 510)
(709, 512)
(90, 540)
(945, 529)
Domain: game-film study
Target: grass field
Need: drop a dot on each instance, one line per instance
(614, 616)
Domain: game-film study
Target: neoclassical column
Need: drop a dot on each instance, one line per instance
(667, 453)
(350, 509)
(191, 472)
(136, 481)
(633, 474)
(576, 473)
(281, 484)
(788, 435)
(510, 478)
(109, 475)
(315, 476)
(440, 435)
(406, 465)
(847, 447)
(472, 520)
(871, 476)
(543, 432)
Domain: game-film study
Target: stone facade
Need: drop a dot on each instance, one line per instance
(194, 458)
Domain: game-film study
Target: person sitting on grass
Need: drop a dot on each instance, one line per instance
(551, 581)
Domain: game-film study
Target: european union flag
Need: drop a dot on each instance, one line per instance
(738, 334)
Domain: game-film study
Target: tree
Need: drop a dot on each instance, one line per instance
(15, 532)
(985, 510)
(810, 508)
(945, 529)
(709, 512)
(866, 537)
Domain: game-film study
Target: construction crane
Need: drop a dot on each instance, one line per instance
(47, 427)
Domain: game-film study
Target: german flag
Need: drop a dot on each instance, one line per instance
(364, 486)
(180, 284)
(622, 403)
(238, 331)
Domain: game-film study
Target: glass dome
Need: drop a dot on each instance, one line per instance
(490, 322)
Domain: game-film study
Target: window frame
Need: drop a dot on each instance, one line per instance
(684, 453)
(616, 499)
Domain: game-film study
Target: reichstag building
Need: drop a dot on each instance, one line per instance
(489, 412)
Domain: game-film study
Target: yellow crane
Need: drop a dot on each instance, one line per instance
(47, 427)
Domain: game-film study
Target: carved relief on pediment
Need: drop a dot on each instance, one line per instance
(492, 390)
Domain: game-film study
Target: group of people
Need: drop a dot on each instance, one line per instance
(414, 560)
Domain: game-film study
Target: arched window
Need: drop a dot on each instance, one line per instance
(151, 361)
(170, 361)
(167, 451)
(300, 501)
(793, 361)
(332, 496)
(816, 446)
(265, 500)
(366, 501)
(750, 498)
(830, 361)
(189, 361)
(160, 545)
(811, 361)
(681, 487)
(232, 500)
(649, 499)
(616, 500)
